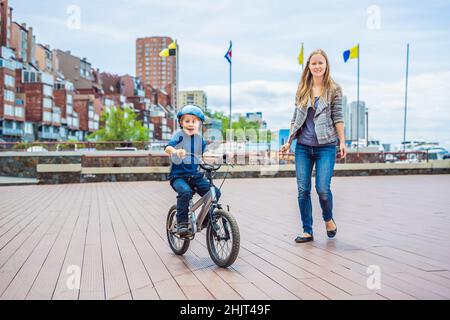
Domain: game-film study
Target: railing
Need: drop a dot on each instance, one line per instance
(71, 145)
(288, 158)
(375, 157)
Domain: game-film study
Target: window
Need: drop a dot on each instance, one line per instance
(9, 80)
(47, 103)
(9, 95)
(47, 116)
(48, 91)
(9, 110)
(28, 127)
(56, 117)
(19, 112)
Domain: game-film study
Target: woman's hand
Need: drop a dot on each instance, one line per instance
(343, 150)
(285, 148)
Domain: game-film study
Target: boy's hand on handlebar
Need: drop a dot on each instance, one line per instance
(181, 153)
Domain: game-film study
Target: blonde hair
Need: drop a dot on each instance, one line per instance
(305, 92)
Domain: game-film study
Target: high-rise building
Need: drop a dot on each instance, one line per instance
(347, 118)
(154, 70)
(256, 117)
(354, 121)
(196, 97)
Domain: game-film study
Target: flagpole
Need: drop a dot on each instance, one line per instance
(406, 98)
(177, 83)
(303, 58)
(357, 104)
(231, 76)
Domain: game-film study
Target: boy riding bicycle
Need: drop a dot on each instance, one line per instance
(184, 176)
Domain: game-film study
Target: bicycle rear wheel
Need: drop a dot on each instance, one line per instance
(178, 245)
(223, 240)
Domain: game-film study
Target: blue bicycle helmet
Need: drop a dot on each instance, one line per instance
(192, 110)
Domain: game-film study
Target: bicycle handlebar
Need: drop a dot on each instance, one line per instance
(205, 166)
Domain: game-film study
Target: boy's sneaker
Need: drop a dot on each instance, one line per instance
(182, 229)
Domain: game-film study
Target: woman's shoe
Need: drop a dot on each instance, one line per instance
(301, 239)
(332, 233)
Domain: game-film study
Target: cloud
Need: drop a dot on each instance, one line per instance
(428, 115)
(267, 36)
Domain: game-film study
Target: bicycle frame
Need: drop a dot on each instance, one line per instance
(205, 202)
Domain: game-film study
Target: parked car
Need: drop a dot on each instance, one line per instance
(390, 158)
(126, 149)
(37, 149)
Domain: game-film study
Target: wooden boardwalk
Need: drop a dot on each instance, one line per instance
(110, 239)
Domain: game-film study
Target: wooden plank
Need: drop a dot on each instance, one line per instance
(138, 279)
(92, 272)
(47, 279)
(114, 276)
(69, 278)
(26, 276)
(12, 265)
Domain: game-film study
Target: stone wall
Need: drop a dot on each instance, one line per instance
(73, 167)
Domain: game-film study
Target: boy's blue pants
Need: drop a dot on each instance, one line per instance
(186, 187)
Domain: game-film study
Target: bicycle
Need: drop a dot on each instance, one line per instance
(222, 230)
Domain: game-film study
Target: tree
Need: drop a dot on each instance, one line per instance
(242, 123)
(120, 125)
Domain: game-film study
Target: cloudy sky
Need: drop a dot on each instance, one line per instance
(267, 35)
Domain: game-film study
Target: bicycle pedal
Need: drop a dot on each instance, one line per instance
(187, 237)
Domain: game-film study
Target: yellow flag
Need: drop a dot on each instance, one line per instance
(352, 53)
(173, 45)
(300, 57)
(164, 53)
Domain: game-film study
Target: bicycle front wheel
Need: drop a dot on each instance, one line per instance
(223, 239)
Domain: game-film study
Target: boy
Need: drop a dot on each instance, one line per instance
(184, 176)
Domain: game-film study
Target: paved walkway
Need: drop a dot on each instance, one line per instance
(112, 237)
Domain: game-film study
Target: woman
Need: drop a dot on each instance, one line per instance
(318, 126)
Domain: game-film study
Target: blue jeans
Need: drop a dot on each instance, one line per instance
(185, 187)
(324, 157)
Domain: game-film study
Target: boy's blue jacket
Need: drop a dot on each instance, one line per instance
(189, 165)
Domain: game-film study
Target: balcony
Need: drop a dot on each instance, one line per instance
(72, 137)
(12, 132)
(10, 64)
(37, 77)
(49, 135)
